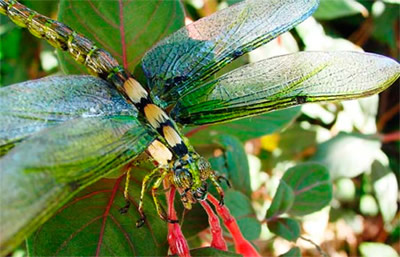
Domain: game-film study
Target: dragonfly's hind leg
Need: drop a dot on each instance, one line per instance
(145, 182)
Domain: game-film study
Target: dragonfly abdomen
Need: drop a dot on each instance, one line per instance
(83, 50)
(156, 116)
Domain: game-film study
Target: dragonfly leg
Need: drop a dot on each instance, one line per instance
(145, 182)
(125, 209)
(221, 177)
(214, 180)
(157, 203)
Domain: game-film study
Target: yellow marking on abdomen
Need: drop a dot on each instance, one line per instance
(171, 136)
(160, 152)
(155, 115)
(134, 90)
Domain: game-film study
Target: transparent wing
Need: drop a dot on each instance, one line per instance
(44, 171)
(185, 59)
(286, 81)
(31, 106)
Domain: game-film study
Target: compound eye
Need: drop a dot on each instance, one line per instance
(183, 178)
(204, 168)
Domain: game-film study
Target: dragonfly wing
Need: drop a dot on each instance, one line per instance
(31, 106)
(64, 159)
(188, 57)
(285, 81)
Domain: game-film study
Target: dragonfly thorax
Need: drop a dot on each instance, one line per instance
(189, 177)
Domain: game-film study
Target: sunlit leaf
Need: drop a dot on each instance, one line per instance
(348, 155)
(385, 186)
(376, 249)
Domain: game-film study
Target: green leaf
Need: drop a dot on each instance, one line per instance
(333, 9)
(285, 227)
(209, 251)
(91, 224)
(261, 125)
(195, 220)
(384, 23)
(282, 201)
(303, 138)
(240, 207)
(233, 163)
(293, 252)
(127, 29)
(348, 154)
(377, 249)
(386, 190)
(311, 186)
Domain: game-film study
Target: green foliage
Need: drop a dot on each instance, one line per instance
(283, 201)
(90, 224)
(93, 216)
(303, 189)
(286, 228)
(311, 187)
(333, 9)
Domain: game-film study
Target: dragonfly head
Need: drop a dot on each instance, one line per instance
(190, 175)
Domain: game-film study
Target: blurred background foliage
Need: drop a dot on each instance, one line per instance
(358, 141)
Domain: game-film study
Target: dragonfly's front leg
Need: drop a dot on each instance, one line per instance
(157, 203)
(145, 182)
(215, 179)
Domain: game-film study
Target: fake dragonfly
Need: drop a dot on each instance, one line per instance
(67, 132)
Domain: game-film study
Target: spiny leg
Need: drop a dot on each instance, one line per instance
(125, 209)
(214, 180)
(157, 203)
(145, 182)
(221, 177)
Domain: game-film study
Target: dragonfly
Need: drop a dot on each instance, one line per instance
(60, 134)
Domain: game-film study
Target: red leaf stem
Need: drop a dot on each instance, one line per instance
(242, 246)
(177, 242)
(218, 241)
(106, 213)
(194, 131)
